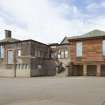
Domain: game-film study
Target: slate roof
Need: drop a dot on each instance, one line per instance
(91, 34)
(9, 40)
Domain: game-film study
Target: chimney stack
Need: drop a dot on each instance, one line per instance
(7, 34)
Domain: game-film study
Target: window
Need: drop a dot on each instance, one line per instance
(41, 54)
(36, 52)
(19, 52)
(59, 54)
(79, 49)
(66, 53)
(53, 55)
(62, 54)
(103, 47)
(1, 52)
(10, 57)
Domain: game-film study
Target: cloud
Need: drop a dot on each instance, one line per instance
(47, 20)
(42, 21)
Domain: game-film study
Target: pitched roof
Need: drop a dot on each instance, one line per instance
(65, 40)
(9, 40)
(91, 34)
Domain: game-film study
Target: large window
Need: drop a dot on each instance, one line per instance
(103, 47)
(79, 49)
(1, 52)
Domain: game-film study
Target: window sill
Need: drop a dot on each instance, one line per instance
(79, 58)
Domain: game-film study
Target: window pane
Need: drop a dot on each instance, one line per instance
(103, 47)
(79, 49)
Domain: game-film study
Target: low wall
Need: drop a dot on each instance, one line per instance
(22, 70)
(50, 67)
(7, 71)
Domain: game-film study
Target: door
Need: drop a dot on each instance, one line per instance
(102, 70)
(78, 70)
(10, 57)
(91, 70)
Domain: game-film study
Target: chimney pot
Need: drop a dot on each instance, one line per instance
(7, 34)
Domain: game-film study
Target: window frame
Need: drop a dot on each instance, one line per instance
(18, 52)
(8, 57)
(2, 52)
(103, 52)
(80, 54)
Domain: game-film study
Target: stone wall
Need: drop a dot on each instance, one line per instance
(23, 70)
(7, 71)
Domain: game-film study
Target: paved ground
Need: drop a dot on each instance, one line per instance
(52, 91)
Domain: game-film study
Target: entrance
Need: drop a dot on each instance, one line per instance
(102, 70)
(10, 57)
(78, 70)
(91, 70)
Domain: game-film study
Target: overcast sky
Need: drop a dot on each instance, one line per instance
(50, 20)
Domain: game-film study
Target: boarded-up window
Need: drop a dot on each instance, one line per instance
(1, 52)
(103, 47)
(79, 49)
(10, 57)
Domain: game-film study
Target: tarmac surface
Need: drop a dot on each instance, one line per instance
(52, 91)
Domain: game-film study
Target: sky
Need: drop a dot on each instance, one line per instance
(49, 21)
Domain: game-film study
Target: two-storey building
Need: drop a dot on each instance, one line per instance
(87, 54)
(24, 58)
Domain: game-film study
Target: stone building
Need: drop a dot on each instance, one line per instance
(87, 53)
(82, 55)
(60, 53)
(24, 58)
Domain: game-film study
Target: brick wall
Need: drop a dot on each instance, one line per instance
(92, 51)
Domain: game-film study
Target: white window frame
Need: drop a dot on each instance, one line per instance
(1, 51)
(79, 49)
(10, 61)
(103, 47)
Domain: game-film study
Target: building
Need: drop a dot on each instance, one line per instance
(24, 58)
(82, 55)
(87, 54)
(60, 53)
